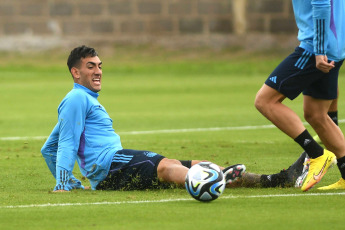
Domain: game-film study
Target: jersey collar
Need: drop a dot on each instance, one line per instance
(78, 86)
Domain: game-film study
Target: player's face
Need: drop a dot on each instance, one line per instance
(89, 73)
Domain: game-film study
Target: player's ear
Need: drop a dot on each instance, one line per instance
(75, 72)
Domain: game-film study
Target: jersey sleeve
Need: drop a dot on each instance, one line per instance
(49, 150)
(321, 20)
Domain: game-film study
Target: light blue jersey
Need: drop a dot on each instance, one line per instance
(321, 25)
(85, 133)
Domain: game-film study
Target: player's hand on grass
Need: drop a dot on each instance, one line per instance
(75, 183)
(323, 64)
(65, 181)
(60, 190)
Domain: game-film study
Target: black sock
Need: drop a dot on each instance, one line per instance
(273, 180)
(306, 141)
(334, 116)
(341, 166)
(187, 164)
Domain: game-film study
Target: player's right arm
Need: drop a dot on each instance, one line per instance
(71, 123)
(49, 152)
(321, 20)
(60, 149)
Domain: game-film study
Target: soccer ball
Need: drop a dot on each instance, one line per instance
(205, 181)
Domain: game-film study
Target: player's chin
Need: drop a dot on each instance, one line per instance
(97, 88)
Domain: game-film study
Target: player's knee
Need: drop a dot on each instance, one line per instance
(314, 118)
(259, 102)
(165, 166)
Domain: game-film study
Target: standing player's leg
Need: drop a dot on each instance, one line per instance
(315, 113)
(333, 110)
(331, 136)
(332, 113)
(294, 75)
(269, 103)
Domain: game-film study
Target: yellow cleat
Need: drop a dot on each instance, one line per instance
(317, 139)
(337, 185)
(318, 168)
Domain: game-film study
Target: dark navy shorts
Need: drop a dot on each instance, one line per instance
(133, 170)
(298, 73)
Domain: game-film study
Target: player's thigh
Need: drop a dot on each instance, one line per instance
(294, 74)
(132, 170)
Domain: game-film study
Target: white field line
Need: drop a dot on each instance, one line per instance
(166, 200)
(155, 132)
(163, 131)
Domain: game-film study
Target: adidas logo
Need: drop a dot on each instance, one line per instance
(273, 79)
(306, 141)
(269, 177)
(342, 166)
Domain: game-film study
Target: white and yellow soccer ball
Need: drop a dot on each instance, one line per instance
(205, 181)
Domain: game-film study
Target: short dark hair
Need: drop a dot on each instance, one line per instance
(78, 53)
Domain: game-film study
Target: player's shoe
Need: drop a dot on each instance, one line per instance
(337, 185)
(317, 139)
(304, 173)
(233, 173)
(295, 173)
(317, 169)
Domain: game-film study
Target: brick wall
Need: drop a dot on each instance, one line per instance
(135, 19)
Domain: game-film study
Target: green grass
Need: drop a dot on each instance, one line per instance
(156, 90)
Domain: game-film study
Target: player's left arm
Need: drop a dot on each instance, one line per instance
(321, 18)
(323, 64)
